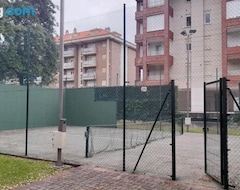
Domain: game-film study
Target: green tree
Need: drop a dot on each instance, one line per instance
(38, 30)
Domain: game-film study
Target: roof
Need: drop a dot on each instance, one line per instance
(86, 34)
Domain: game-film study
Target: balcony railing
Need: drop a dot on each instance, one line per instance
(91, 63)
(89, 76)
(155, 77)
(68, 77)
(154, 3)
(155, 52)
(68, 65)
(68, 53)
(89, 50)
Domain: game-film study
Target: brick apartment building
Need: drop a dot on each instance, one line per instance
(95, 58)
(203, 35)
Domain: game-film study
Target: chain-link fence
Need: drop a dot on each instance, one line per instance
(213, 134)
(190, 42)
(233, 137)
(143, 107)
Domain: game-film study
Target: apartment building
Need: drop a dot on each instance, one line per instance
(95, 58)
(190, 41)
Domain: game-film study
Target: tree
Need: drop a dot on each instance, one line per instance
(38, 30)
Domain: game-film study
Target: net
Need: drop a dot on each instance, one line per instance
(104, 139)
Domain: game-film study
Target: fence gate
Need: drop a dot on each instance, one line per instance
(159, 144)
(215, 130)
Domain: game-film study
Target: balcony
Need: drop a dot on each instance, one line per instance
(68, 53)
(89, 50)
(154, 3)
(68, 77)
(139, 15)
(155, 48)
(68, 65)
(139, 38)
(91, 63)
(89, 76)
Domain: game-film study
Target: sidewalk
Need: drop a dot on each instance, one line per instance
(96, 178)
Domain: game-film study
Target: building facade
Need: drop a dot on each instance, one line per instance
(190, 41)
(95, 58)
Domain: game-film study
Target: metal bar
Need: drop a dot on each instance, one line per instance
(87, 142)
(205, 127)
(221, 127)
(124, 86)
(60, 93)
(173, 113)
(224, 134)
(212, 82)
(235, 101)
(188, 90)
(151, 130)
(27, 104)
(182, 121)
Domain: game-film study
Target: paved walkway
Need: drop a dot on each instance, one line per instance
(95, 178)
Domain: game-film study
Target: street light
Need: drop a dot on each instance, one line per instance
(60, 93)
(188, 34)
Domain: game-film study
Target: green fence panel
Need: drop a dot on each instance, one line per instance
(82, 109)
(12, 102)
(43, 107)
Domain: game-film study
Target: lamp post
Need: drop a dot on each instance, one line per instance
(188, 34)
(60, 100)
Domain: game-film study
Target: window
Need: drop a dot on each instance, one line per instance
(141, 50)
(155, 22)
(188, 21)
(233, 9)
(141, 28)
(207, 17)
(141, 6)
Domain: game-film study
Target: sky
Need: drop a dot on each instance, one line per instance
(89, 14)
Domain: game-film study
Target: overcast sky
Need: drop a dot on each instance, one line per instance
(90, 14)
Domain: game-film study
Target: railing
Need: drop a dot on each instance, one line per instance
(154, 3)
(68, 77)
(88, 50)
(89, 75)
(155, 52)
(68, 65)
(68, 53)
(89, 63)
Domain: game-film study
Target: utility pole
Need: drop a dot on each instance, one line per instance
(60, 100)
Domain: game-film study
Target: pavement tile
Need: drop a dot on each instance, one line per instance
(96, 178)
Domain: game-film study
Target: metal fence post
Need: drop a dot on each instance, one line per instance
(224, 133)
(205, 127)
(182, 124)
(87, 142)
(173, 113)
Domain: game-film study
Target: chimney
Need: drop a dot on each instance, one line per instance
(66, 32)
(108, 29)
(74, 30)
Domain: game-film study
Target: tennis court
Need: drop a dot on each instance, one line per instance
(155, 160)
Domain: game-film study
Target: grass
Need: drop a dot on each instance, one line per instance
(233, 132)
(16, 172)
